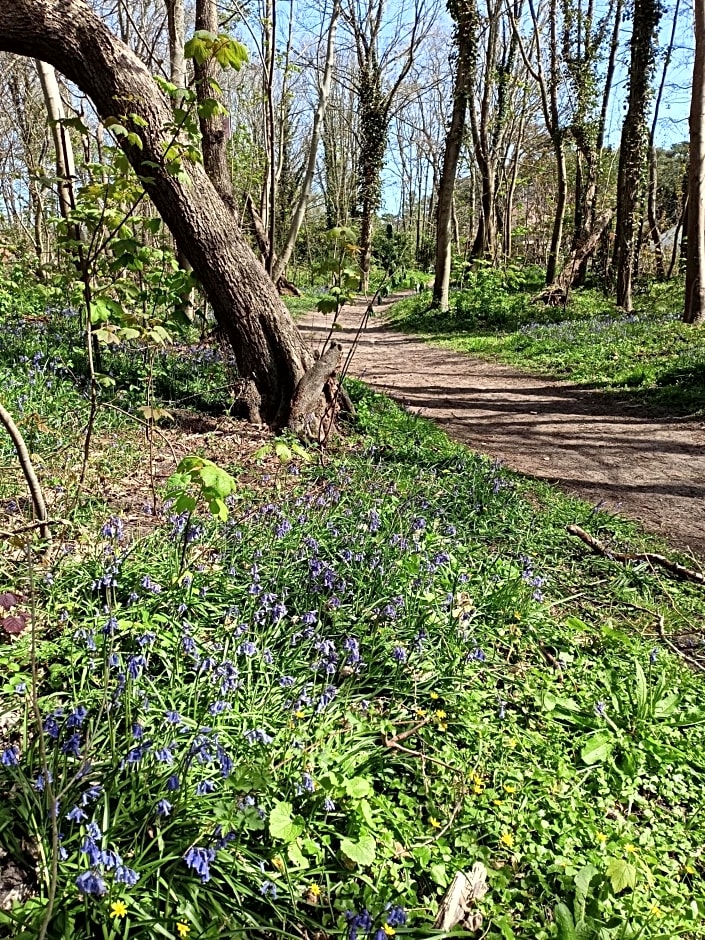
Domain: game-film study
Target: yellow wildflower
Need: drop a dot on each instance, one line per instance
(440, 714)
(434, 696)
(182, 929)
(512, 742)
(389, 931)
(630, 849)
(299, 714)
(507, 839)
(118, 909)
(656, 911)
(432, 821)
(509, 788)
(421, 712)
(601, 838)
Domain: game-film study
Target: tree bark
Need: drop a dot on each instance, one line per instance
(695, 265)
(214, 130)
(271, 355)
(570, 272)
(65, 165)
(451, 155)
(646, 17)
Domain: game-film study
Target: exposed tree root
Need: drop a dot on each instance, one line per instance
(651, 558)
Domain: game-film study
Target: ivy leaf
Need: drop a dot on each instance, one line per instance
(362, 852)
(621, 874)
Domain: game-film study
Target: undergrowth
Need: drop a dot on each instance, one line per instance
(383, 667)
(649, 355)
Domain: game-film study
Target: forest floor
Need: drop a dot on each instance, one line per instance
(591, 443)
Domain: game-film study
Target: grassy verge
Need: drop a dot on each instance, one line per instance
(649, 355)
(384, 667)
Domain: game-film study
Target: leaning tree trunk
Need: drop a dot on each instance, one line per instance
(695, 264)
(271, 355)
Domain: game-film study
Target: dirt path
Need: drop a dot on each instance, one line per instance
(648, 469)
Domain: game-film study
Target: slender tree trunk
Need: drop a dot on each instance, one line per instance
(695, 265)
(63, 150)
(214, 130)
(561, 200)
(177, 39)
(271, 355)
(451, 156)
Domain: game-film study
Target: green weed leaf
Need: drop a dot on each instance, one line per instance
(362, 852)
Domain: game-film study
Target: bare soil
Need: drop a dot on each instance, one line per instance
(590, 444)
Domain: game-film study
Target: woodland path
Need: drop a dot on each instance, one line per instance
(586, 441)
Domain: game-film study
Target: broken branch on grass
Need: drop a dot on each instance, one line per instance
(651, 558)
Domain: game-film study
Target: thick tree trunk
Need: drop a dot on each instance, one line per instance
(695, 265)
(271, 354)
(646, 17)
(451, 155)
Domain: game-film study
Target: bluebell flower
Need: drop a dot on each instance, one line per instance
(200, 859)
(137, 731)
(51, 726)
(135, 664)
(310, 618)
(93, 831)
(10, 756)
(173, 717)
(283, 528)
(600, 709)
(653, 656)
(358, 922)
(278, 612)
(126, 876)
(41, 781)
(110, 859)
(258, 736)
(247, 648)
(90, 882)
(399, 654)
(326, 698)
(307, 782)
(91, 794)
(286, 681)
(72, 745)
(268, 889)
(173, 783)
(225, 762)
(150, 585)
(328, 805)
(164, 807)
(205, 786)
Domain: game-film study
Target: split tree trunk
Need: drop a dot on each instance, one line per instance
(271, 355)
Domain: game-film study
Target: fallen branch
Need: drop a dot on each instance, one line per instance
(40, 509)
(651, 558)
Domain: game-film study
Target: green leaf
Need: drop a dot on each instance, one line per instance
(362, 852)
(327, 304)
(621, 874)
(564, 922)
(296, 856)
(281, 825)
(597, 748)
(282, 452)
(642, 690)
(583, 879)
(439, 874)
(185, 503)
(358, 788)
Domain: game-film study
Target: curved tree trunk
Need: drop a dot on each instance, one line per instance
(272, 357)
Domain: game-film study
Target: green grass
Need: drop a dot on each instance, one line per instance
(388, 664)
(649, 355)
